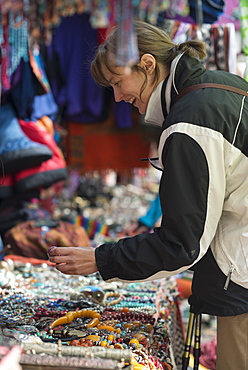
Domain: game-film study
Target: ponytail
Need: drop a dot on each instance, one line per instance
(193, 48)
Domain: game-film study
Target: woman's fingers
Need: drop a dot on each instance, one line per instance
(73, 260)
(58, 251)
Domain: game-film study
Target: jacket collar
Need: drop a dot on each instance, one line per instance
(154, 113)
(184, 71)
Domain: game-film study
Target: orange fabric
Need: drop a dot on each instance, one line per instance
(46, 123)
(184, 287)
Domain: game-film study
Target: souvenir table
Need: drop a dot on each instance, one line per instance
(71, 322)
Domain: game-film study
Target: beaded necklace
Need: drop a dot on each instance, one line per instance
(95, 327)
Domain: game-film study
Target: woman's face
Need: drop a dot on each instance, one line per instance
(127, 85)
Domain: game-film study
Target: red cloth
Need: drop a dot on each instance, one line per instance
(184, 287)
(33, 261)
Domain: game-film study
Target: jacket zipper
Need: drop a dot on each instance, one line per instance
(228, 278)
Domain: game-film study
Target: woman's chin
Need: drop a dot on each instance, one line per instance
(142, 110)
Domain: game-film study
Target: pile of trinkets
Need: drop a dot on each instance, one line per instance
(72, 322)
(114, 207)
(83, 322)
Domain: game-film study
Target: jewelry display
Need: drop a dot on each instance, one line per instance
(47, 313)
(111, 302)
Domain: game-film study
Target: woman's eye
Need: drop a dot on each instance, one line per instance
(117, 84)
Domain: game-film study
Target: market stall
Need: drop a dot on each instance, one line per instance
(70, 322)
(58, 190)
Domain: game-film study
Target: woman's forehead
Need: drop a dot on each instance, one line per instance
(111, 74)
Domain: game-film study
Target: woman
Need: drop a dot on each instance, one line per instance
(203, 150)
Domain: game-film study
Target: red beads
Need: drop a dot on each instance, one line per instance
(125, 315)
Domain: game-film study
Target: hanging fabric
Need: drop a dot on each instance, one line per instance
(13, 41)
(67, 58)
(46, 173)
(17, 151)
(211, 10)
(219, 40)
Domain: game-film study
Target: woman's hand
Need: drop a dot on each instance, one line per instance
(73, 260)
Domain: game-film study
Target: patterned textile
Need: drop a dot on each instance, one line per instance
(33, 238)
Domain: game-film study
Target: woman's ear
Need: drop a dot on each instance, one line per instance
(148, 62)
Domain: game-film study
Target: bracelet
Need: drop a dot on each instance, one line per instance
(112, 302)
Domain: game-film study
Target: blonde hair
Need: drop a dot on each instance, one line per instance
(150, 40)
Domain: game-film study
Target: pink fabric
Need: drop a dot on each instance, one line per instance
(208, 354)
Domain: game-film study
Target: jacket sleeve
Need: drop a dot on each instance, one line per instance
(176, 245)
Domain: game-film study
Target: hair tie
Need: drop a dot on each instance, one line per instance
(176, 47)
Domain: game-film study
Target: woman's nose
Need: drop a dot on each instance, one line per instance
(118, 94)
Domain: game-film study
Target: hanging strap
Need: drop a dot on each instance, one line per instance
(204, 85)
